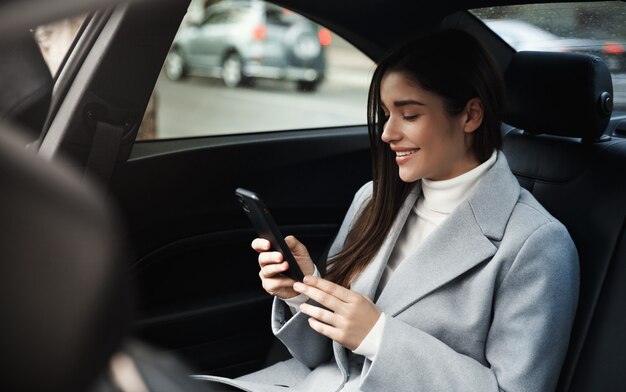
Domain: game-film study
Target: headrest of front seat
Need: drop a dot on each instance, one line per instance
(26, 84)
(564, 94)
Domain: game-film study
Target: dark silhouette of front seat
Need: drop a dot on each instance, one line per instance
(63, 287)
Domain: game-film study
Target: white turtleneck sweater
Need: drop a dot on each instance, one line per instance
(437, 200)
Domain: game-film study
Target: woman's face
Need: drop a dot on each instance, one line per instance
(428, 143)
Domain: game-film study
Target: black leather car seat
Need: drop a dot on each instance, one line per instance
(560, 105)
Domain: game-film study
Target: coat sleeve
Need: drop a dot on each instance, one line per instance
(533, 311)
(304, 343)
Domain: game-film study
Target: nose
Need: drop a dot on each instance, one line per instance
(389, 134)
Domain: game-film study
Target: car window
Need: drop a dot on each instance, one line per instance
(593, 28)
(271, 70)
(55, 40)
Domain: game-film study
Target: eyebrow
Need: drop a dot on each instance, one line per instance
(405, 102)
(408, 102)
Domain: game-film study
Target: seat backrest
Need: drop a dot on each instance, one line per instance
(63, 282)
(559, 105)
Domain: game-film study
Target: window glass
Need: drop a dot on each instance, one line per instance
(593, 28)
(55, 40)
(265, 69)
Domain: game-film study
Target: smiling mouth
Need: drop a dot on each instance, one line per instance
(405, 153)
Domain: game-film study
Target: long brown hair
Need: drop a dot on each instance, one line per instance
(452, 64)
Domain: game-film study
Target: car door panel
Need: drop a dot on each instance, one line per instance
(197, 277)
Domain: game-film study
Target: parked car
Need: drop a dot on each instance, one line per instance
(522, 35)
(189, 257)
(241, 41)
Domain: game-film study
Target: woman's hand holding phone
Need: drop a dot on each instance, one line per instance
(349, 316)
(273, 265)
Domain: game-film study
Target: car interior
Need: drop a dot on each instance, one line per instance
(116, 249)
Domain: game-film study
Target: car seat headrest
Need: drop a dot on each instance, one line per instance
(25, 84)
(63, 280)
(564, 94)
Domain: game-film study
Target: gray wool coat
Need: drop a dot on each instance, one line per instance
(485, 303)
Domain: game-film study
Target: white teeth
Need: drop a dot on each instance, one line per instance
(404, 153)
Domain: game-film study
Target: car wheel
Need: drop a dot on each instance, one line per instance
(175, 67)
(232, 71)
(307, 86)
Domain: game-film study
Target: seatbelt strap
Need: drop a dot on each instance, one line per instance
(104, 150)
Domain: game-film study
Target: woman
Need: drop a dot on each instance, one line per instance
(445, 274)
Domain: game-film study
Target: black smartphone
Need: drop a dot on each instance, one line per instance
(266, 228)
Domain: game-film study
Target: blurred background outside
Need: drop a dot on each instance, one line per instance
(596, 28)
(240, 66)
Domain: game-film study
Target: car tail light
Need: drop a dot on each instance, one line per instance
(325, 37)
(260, 32)
(613, 48)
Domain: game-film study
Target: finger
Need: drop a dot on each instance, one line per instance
(321, 297)
(279, 290)
(271, 270)
(296, 246)
(261, 245)
(275, 285)
(331, 288)
(320, 314)
(324, 329)
(267, 258)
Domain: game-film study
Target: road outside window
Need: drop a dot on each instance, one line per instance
(251, 66)
(592, 28)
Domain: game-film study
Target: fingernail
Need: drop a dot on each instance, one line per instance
(307, 279)
(298, 286)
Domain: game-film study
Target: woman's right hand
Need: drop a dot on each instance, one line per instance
(273, 265)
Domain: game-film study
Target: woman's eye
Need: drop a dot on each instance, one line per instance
(410, 118)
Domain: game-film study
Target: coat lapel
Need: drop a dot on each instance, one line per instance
(461, 242)
(454, 247)
(367, 282)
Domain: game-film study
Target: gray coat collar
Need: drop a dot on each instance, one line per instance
(461, 242)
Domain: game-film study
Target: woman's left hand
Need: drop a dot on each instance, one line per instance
(349, 316)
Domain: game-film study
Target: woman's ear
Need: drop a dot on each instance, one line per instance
(474, 111)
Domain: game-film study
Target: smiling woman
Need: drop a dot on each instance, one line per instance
(440, 275)
(428, 142)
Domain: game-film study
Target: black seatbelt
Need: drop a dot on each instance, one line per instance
(104, 150)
